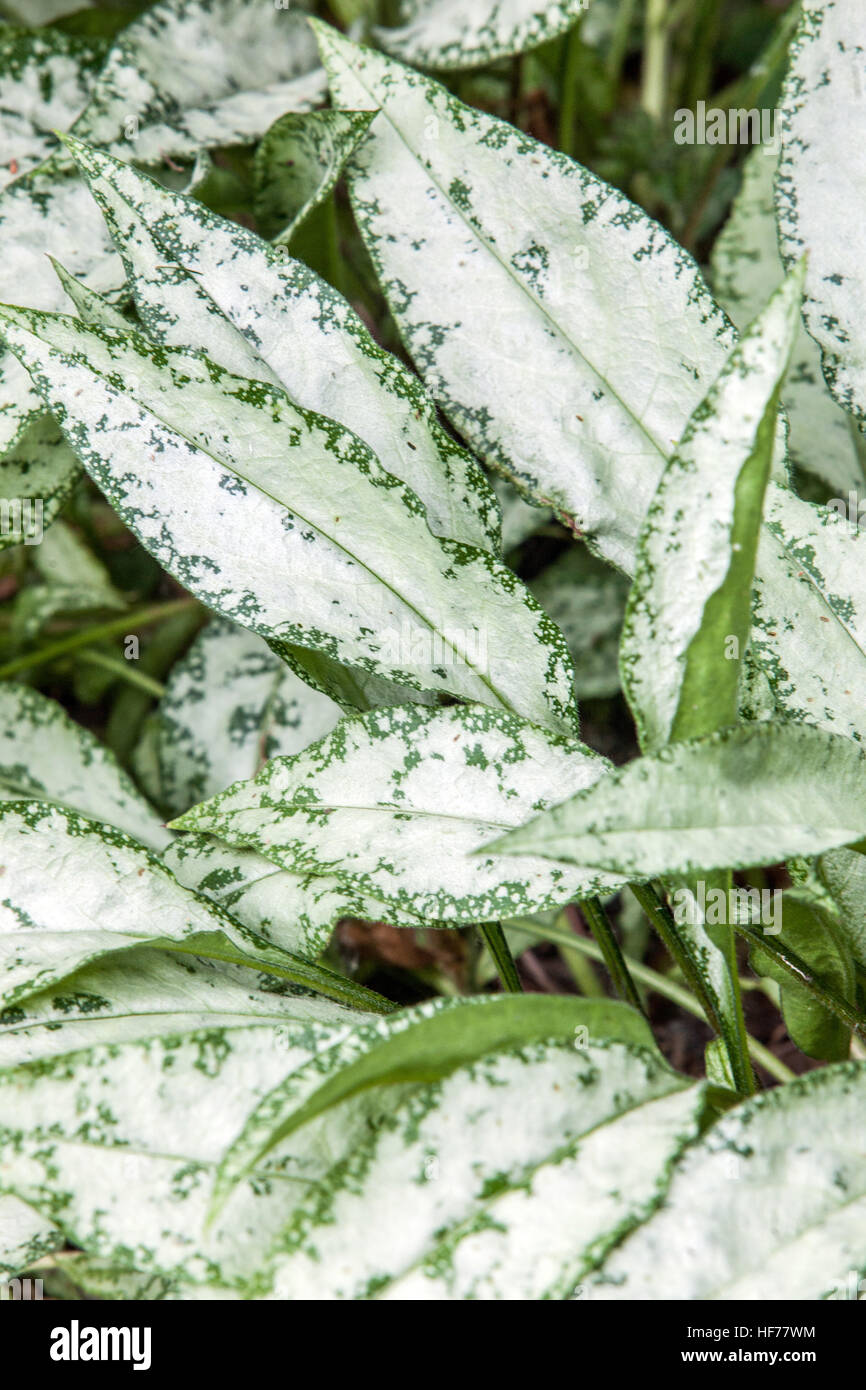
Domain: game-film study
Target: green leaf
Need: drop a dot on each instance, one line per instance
(397, 804)
(748, 795)
(189, 74)
(104, 895)
(822, 165)
(811, 934)
(450, 34)
(424, 1043)
(278, 322)
(46, 756)
(746, 268)
(689, 611)
(586, 600)
(45, 79)
(843, 873)
(37, 475)
(506, 300)
(299, 161)
(770, 1204)
(312, 569)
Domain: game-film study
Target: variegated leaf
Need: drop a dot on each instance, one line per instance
(793, 1155)
(230, 705)
(45, 79)
(746, 268)
(507, 267)
(189, 74)
(106, 894)
(299, 161)
(46, 756)
(333, 553)
(206, 282)
(821, 170)
(25, 1235)
(420, 1044)
(586, 600)
(452, 34)
(752, 794)
(397, 804)
(683, 638)
(499, 1210)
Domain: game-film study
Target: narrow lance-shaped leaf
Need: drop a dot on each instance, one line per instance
(299, 161)
(752, 794)
(295, 530)
(452, 34)
(396, 803)
(689, 611)
(746, 267)
(795, 1156)
(508, 268)
(25, 1235)
(821, 171)
(202, 281)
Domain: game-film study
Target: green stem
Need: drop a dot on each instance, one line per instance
(662, 919)
(142, 617)
(596, 919)
(497, 945)
(125, 671)
(618, 49)
(658, 983)
(568, 91)
(655, 55)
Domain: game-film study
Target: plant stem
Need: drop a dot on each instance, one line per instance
(142, 617)
(654, 73)
(568, 90)
(658, 983)
(497, 945)
(125, 672)
(596, 919)
(662, 919)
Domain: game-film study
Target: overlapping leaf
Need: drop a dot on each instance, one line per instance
(746, 268)
(295, 529)
(822, 168)
(45, 80)
(397, 804)
(752, 794)
(451, 34)
(298, 162)
(206, 282)
(794, 1155)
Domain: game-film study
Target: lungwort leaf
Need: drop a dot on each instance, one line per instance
(746, 268)
(452, 34)
(682, 642)
(294, 529)
(204, 282)
(506, 267)
(397, 803)
(794, 1155)
(744, 796)
(821, 172)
